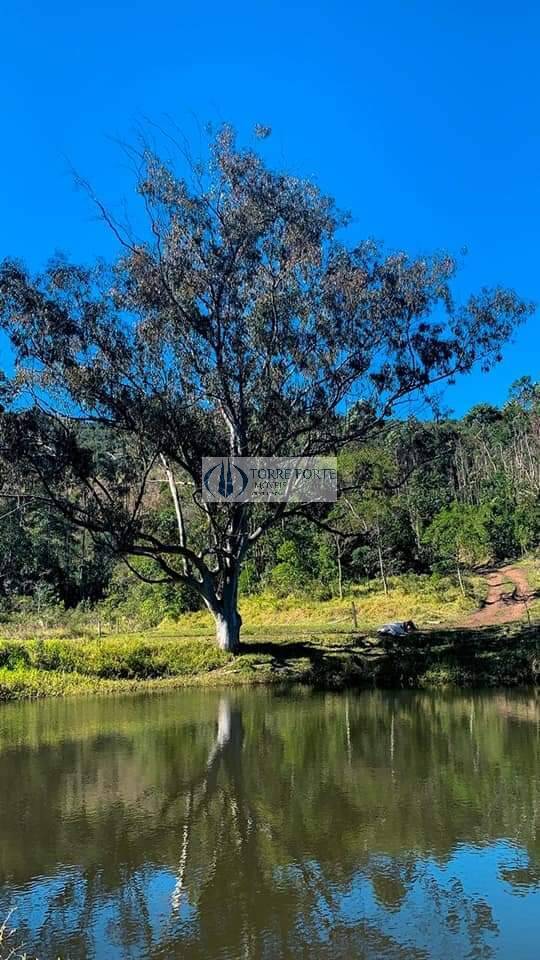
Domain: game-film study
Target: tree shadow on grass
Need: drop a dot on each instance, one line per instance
(326, 665)
(501, 655)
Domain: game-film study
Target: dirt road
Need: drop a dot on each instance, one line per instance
(505, 601)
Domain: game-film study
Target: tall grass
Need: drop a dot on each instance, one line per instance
(425, 599)
(433, 598)
(113, 658)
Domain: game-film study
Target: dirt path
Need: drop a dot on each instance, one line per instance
(504, 603)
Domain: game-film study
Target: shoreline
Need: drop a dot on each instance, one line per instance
(500, 656)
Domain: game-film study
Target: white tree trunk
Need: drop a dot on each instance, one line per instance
(228, 624)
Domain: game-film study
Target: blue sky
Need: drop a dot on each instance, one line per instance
(421, 118)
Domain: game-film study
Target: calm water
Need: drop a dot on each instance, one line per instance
(207, 825)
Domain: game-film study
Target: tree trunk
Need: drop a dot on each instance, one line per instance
(460, 578)
(222, 603)
(339, 554)
(381, 567)
(228, 623)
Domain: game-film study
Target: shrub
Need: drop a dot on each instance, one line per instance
(13, 654)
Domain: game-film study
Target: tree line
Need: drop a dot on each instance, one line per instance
(440, 495)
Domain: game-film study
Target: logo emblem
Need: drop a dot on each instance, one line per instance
(226, 480)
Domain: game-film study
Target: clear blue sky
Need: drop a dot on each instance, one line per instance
(422, 118)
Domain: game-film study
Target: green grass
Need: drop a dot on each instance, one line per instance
(26, 683)
(114, 658)
(291, 640)
(428, 600)
(495, 656)
(56, 667)
(531, 566)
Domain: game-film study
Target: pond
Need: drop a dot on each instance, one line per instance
(225, 825)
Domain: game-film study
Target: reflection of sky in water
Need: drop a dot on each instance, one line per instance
(43, 902)
(430, 916)
(462, 908)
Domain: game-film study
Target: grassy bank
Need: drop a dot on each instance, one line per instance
(63, 666)
(496, 656)
(292, 640)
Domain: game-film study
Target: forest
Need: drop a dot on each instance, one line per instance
(438, 496)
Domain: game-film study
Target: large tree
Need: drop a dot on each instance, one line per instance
(240, 324)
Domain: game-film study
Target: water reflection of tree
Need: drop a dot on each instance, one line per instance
(242, 910)
(263, 825)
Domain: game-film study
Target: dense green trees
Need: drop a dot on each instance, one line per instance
(428, 495)
(459, 538)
